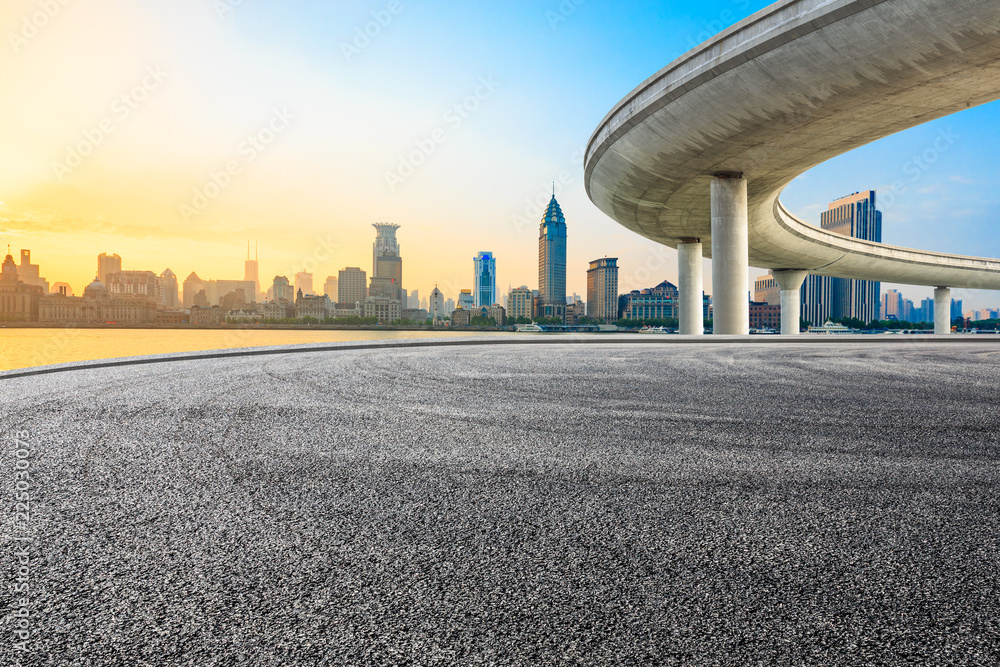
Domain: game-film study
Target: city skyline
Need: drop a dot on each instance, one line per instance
(146, 164)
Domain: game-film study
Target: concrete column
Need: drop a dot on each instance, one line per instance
(690, 283)
(942, 311)
(790, 283)
(730, 261)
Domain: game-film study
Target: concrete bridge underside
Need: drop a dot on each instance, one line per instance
(697, 156)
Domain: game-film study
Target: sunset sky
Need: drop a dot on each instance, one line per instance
(173, 132)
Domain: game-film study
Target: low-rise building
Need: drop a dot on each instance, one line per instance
(210, 316)
(316, 307)
(415, 314)
(654, 303)
(278, 310)
(765, 316)
(97, 306)
(385, 311)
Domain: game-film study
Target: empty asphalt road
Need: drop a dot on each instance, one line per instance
(601, 504)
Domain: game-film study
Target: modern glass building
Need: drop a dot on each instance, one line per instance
(485, 290)
(857, 217)
(552, 263)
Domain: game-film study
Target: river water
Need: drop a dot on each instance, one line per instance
(23, 348)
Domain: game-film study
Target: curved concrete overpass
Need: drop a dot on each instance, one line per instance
(762, 102)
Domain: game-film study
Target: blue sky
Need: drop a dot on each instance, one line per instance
(531, 80)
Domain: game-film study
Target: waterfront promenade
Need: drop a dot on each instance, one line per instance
(827, 502)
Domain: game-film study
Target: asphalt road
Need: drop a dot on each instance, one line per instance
(598, 504)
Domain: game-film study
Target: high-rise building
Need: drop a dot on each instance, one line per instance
(909, 314)
(387, 263)
(386, 244)
(192, 286)
(251, 270)
(926, 311)
(602, 290)
(892, 305)
(854, 216)
(304, 282)
(282, 290)
(31, 274)
(521, 303)
(956, 309)
(19, 301)
(352, 286)
(449, 305)
(413, 300)
(465, 299)
(816, 299)
(107, 264)
(437, 307)
(168, 289)
(766, 290)
(330, 288)
(552, 262)
(485, 290)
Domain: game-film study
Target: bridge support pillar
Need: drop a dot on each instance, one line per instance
(942, 310)
(690, 284)
(730, 255)
(790, 283)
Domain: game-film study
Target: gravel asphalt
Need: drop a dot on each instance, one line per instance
(608, 504)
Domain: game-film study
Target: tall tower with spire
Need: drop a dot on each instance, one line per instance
(251, 269)
(552, 262)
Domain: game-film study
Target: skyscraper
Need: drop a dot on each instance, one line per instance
(352, 286)
(892, 305)
(168, 289)
(387, 265)
(107, 264)
(552, 262)
(282, 291)
(602, 290)
(485, 290)
(857, 217)
(330, 288)
(765, 290)
(192, 286)
(304, 282)
(250, 270)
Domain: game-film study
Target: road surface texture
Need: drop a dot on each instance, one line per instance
(603, 504)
